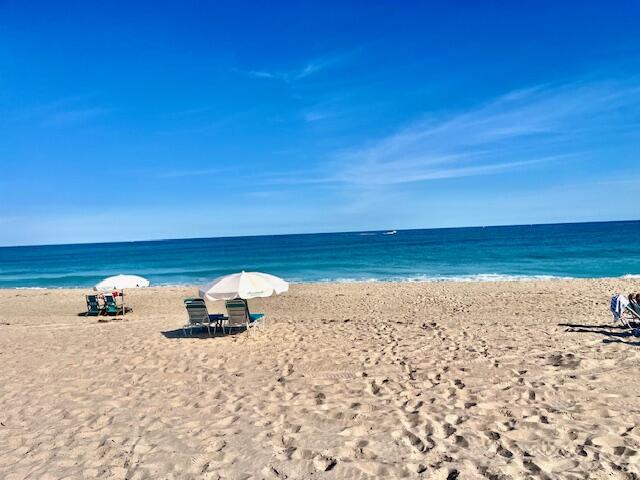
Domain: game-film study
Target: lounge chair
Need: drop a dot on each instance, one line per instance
(627, 311)
(199, 316)
(238, 315)
(110, 305)
(633, 310)
(93, 306)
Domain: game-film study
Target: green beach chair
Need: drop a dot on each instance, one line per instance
(238, 315)
(93, 306)
(110, 305)
(199, 316)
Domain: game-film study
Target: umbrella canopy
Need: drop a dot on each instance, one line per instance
(120, 282)
(243, 285)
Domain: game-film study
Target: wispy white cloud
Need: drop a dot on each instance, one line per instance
(73, 116)
(315, 116)
(408, 175)
(191, 173)
(310, 68)
(522, 129)
(269, 75)
(517, 130)
(317, 65)
(63, 112)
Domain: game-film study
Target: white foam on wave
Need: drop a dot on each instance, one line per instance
(341, 280)
(481, 277)
(488, 277)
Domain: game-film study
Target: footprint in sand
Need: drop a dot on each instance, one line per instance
(413, 441)
(563, 360)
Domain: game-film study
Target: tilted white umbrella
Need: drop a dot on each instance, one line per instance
(243, 285)
(120, 282)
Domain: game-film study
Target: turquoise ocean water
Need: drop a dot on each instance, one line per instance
(609, 249)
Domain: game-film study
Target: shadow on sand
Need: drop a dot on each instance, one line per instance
(613, 333)
(104, 318)
(200, 332)
(99, 315)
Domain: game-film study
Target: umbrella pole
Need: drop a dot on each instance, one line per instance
(124, 309)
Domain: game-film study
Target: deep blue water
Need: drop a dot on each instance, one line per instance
(609, 249)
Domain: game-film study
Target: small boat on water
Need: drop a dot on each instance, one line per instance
(388, 232)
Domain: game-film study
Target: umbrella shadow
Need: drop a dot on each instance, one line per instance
(613, 333)
(200, 333)
(103, 315)
(102, 318)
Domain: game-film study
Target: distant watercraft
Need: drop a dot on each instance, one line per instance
(388, 232)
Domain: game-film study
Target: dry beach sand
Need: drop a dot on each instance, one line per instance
(414, 380)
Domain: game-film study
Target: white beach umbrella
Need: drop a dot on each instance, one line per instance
(120, 282)
(243, 285)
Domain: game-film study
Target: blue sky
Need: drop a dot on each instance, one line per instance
(196, 119)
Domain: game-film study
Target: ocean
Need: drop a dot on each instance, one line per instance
(579, 250)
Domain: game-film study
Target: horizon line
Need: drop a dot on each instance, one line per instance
(319, 233)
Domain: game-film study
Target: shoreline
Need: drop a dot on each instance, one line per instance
(484, 279)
